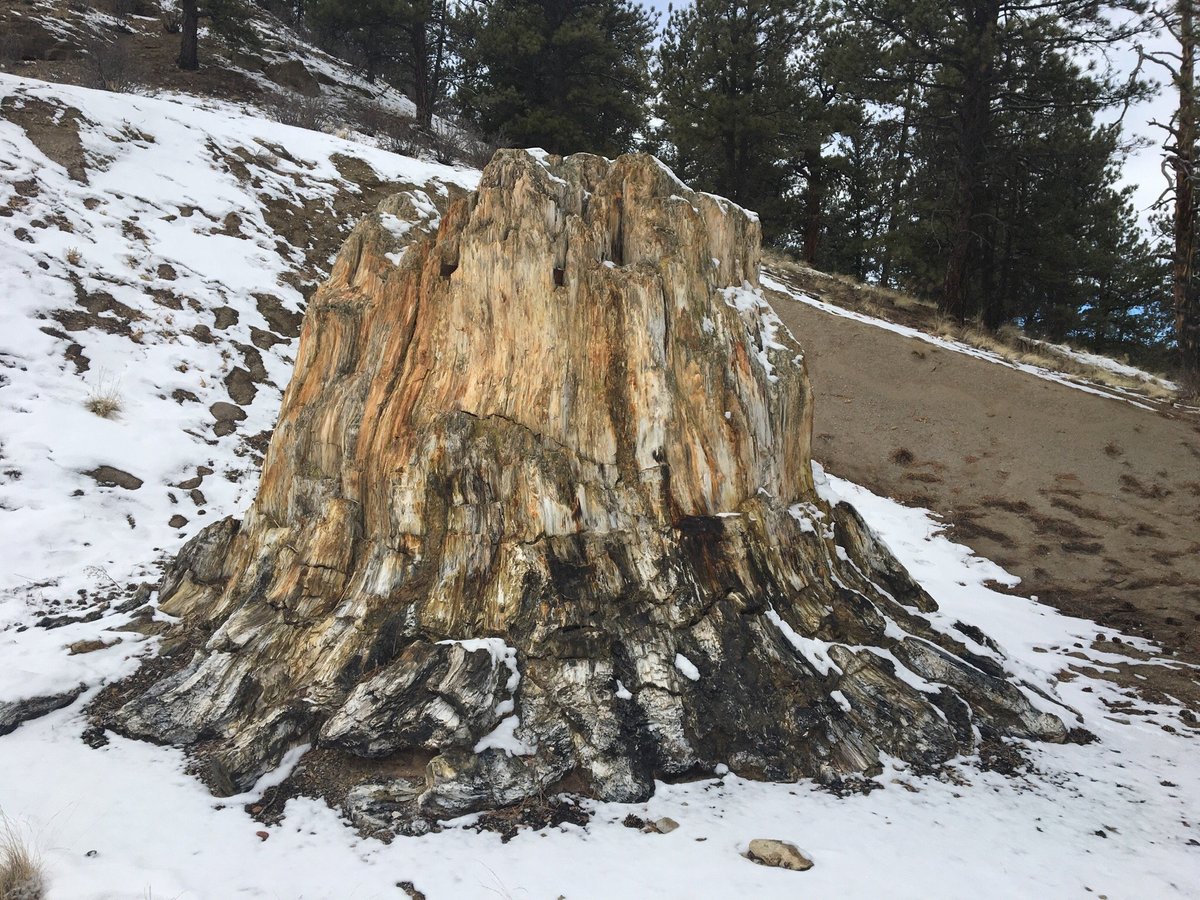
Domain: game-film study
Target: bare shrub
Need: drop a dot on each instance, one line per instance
(111, 64)
(74, 257)
(21, 873)
(313, 113)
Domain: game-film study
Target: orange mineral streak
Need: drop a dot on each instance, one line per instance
(604, 366)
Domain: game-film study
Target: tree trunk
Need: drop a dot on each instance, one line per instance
(562, 564)
(189, 54)
(898, 175)
(1183, 162)
(973, 122)
(813, 199)
(422, 98)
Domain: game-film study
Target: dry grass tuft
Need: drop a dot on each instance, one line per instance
(74, 257)
(21, 873)
(104, 400)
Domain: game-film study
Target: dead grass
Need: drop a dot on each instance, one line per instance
(104, 400)
(1008, 343)
(21, 874)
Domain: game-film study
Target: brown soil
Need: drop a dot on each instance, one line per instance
(1090, 500)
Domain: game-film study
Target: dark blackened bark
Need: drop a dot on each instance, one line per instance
(813, 192)
(973, 122)
(189, 56)
(1183, 164)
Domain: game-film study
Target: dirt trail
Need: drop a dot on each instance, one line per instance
(1093, 502)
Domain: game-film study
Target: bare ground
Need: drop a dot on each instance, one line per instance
(1092, 501)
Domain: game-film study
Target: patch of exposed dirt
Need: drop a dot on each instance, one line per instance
(54, 130)
(1029, 476)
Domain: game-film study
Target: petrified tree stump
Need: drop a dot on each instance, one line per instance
(540, 506)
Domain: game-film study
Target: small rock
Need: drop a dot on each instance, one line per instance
(110, 476)
(177, 521)
(263, 835)
(226, 412)
(665, 825)
(779, 854)
(88, 646)
(91, 854)
(17, 712)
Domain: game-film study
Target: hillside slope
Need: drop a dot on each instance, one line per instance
(154, 255)
(1091, 496)
(159, 254)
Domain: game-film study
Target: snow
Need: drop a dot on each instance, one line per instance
(1109, 365)
(159, 191)
(814, 651)
(156, 831)
(759, 315)
(686, 667)
(503, 737)
(774, 284)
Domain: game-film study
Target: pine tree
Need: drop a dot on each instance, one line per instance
(970, 58)
(564, 75)
(729, 96)
(371, 28)
(1179, 20)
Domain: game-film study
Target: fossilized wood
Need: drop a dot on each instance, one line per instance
(540, 503)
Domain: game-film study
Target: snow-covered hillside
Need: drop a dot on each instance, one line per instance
(153, 254)
(157, 253)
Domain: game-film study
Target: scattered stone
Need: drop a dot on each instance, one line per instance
(201, 333)
(411, 889)
(51, 622)
(241, 386)
(263, 835)
(227, 416)
(1081, 736)
(264, 340)
(665, 825)
(294, 74)
(110, 476)
(140, 597)
(90, 646)
(177, 521)
(780, 854)
(225, 317)
(15, 713)
(179, 395)
(95, 737)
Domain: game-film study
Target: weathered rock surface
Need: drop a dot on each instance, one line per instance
(780, 854)
(539, 506)
(14, 713)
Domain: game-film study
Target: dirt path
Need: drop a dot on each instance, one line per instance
(1093, 502)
